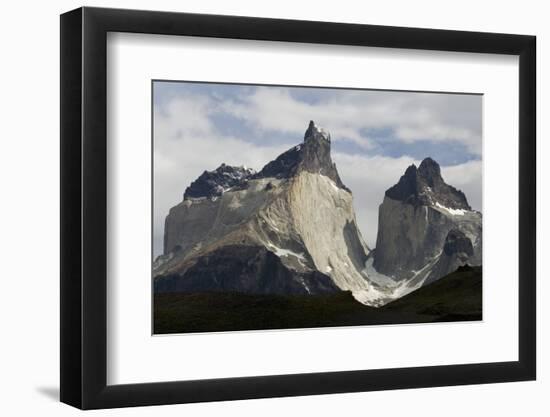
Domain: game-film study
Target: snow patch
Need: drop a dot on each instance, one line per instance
(405, 287)
(286, 252)
(454, 212)
(161, 260)
(305, 285)
(384, 289)
(374, 276)
(374, 296)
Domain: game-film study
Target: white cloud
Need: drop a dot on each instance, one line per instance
(188, 115)
(186, 143)
(349, 114)
(468, 178)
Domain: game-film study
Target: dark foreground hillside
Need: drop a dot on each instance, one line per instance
(455, 297)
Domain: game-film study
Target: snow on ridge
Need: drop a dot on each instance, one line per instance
(286, 252)
(405, 288)
(383, 289)
(454, 212)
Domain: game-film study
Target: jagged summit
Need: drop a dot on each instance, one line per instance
(314, 132)
(215, 183)
(291, 229)
(426, 228)
(431, 171)
(424, 186)
(313, 155)
(288, 229)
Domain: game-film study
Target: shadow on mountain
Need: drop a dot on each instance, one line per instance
(455, 297)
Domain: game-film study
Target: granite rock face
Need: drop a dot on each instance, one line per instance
(424, 186)
(290, 228)
(426, 228)
(458, 252)
(313, 155)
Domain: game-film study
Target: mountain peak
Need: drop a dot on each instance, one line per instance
(215, 183)
(411, 171)
(426, 228)
(315, 132)
(313, 155)
(429, 163)
(430, 170)
(424, 186)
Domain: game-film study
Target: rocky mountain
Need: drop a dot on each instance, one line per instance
(288, 229)
(426, 230)
(215, 183)
(314, 159)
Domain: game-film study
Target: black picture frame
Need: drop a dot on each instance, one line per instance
(84, 207)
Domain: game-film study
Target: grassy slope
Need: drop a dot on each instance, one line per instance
(457, 294)
(454, 297)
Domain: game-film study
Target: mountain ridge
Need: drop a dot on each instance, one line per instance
(424, 185)
(294, 221)
(278, 209)
(426, 229)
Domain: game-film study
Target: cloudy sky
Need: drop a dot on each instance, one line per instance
(375, 136)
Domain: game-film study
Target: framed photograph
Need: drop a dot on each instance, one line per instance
(258, 208)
